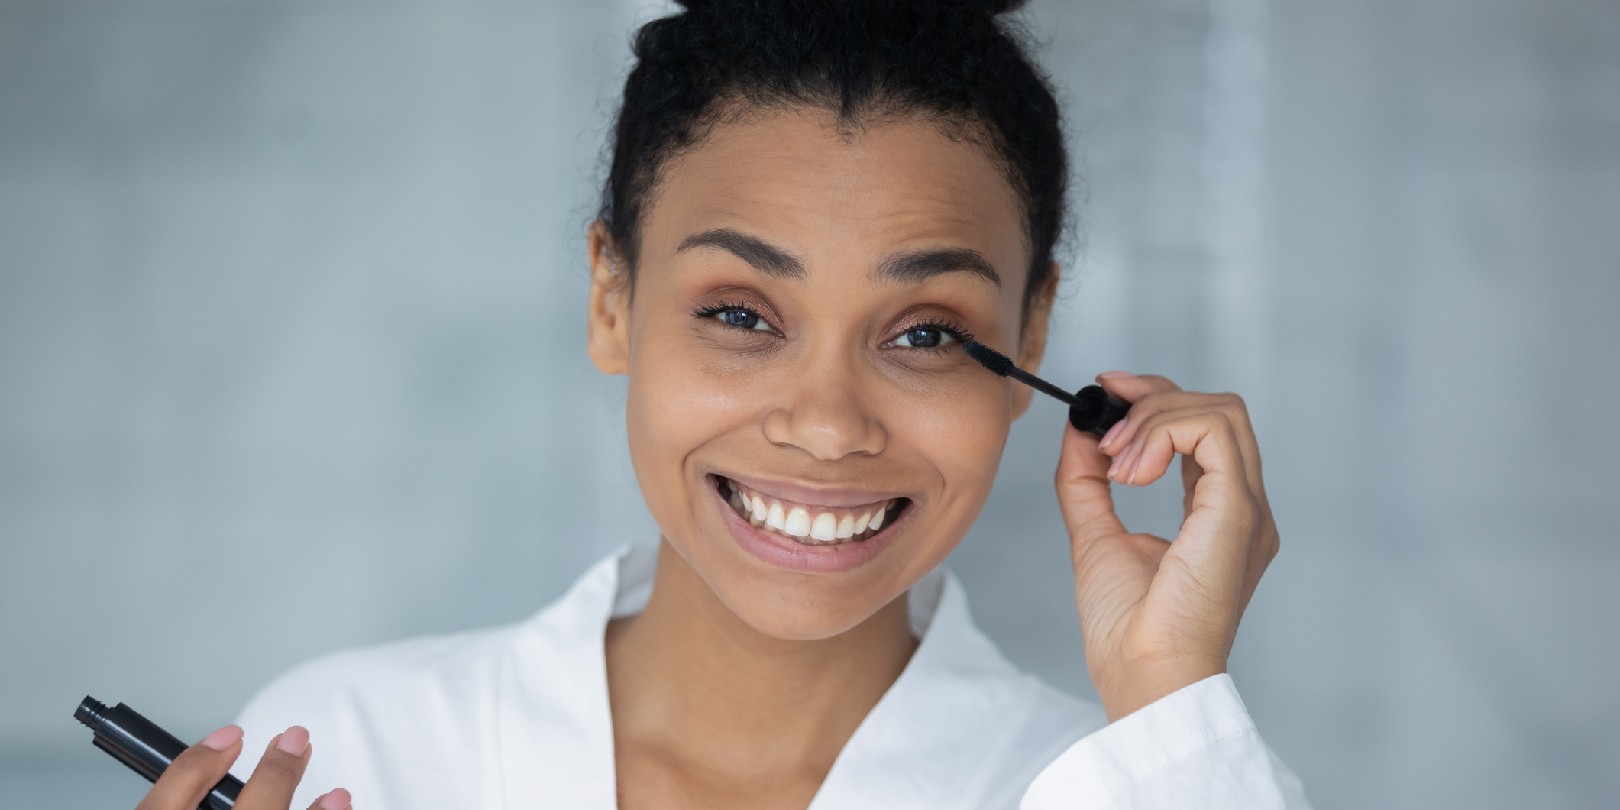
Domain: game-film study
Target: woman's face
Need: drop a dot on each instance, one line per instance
(792, 337)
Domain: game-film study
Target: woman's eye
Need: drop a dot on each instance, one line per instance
(741, 318)
(923, 337)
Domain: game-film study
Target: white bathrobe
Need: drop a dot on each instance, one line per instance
(517, 717)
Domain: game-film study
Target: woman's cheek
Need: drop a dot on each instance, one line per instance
(962, 424)
(677, 401)
(960, 408)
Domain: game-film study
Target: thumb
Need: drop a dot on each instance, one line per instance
(1083, 490)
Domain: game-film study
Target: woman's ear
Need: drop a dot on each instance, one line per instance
(607, 323)
(1032, 343)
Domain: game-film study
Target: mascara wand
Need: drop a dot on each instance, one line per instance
(1091, 409)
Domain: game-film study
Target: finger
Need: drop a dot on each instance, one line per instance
(189, 777)
(1165, 435)
(1183, 404)
(1222, 526)
(278, 772)
(1190, 473)
(1135, 389)
(338, 799)
(1083, 491)
(1174, 399)
(1266, 541)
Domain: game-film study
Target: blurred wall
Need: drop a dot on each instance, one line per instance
(290, 356)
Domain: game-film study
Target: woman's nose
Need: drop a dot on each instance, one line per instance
(825, 413)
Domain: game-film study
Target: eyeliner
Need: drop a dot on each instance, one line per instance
(146, 748)
(1091, 409)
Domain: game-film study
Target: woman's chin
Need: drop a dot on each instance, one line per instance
(789, 608)
(791, 617)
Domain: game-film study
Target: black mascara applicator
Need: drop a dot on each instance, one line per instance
(1091, 409)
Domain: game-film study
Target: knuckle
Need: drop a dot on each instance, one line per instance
(1236, 407)
(1271, 540)
(278, 767)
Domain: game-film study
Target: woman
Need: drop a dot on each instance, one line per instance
(811, 204)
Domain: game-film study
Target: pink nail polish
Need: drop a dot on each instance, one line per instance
(294, 741)
(223, 738)
(1127, 461)
(1122, 463)
(1136, 461)
(1108, 375)
(1112, 433)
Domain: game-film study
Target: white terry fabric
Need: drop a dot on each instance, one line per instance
(517, 717)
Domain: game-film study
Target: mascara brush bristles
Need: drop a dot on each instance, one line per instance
(991, 359)
(1002, 365)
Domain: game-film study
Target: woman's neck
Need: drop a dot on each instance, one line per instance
(691, 680)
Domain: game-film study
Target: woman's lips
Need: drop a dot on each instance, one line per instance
(817, 494)
(805, 555)
(808, 523)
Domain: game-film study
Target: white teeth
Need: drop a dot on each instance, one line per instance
(846, 528)
(798, 522)
(824, 528)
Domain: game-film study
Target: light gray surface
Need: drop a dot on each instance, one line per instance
(290, 360)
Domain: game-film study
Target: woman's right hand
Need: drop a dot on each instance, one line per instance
(188, 779)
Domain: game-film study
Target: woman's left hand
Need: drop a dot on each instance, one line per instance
(1158, 615)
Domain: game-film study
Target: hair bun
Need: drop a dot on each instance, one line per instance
(993, 7)
(989, 8)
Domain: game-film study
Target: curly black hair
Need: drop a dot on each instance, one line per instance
(955, 62)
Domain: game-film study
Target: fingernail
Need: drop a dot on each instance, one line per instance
(1108, 375)
(293, 741)
(1136, 460)
(223, 738)
(1114, 467)
(1123, 463)
(336, 800)
(1112, 433)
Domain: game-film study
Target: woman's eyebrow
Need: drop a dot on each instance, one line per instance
(916, 266)
(910, 267)
(762, 255)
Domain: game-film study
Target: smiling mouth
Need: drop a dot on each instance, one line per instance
(808, 524)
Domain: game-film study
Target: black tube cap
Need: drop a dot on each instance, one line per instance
(1097, 410)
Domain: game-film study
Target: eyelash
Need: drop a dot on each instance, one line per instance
(956, 331)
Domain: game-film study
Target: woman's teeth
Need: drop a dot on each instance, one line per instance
(808, 524)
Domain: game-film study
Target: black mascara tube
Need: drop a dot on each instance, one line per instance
(1095, 410)
(145, 748)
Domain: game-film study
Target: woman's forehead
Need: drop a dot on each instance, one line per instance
(796, 178)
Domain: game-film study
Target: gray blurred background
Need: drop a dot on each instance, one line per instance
(291, 317)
